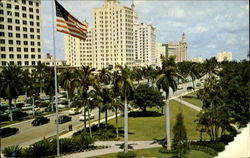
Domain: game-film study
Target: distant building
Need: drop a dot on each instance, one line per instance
(20, 32)
(144, 46)
(159, 51)
(49, 61)
(224, 56)
(197, 60)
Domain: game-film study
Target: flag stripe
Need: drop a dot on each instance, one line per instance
(69, 29)
(71, 34)
(68, 24)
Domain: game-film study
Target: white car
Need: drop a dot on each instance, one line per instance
(91, 116)
(61, 106)
(74, 111)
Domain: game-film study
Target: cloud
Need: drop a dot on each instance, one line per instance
(211, 46)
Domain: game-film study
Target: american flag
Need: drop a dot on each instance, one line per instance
(68, 24)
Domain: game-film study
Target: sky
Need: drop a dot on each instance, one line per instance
(210, 26)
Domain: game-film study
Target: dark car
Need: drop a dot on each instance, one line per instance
(63, 119)
(190, 88)
(198, 85)
(40, 121)
(8, 131)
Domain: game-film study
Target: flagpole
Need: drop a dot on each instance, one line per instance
(54, 49)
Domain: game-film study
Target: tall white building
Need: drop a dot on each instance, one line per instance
(79, 52)
(160, 50)
(224, 56)
(144, 50)
(20, 32)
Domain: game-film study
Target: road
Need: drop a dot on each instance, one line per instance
(29, 134)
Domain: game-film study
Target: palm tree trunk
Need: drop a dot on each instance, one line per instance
(193, 84)
(116, 123)
(90, 132)
(99, 116)
(126, 125)
(11, 114)
(106, 118)
(168, 121)
(67, 94)
(85, 124)
(33, 106)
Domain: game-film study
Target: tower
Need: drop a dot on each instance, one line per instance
(183, 38)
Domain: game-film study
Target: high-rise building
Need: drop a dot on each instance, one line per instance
(224, 56)
(113, 35)
(160, 50)
(197, 60)
(20, 32)
(178, 49)
(79, 52)
(144, 44)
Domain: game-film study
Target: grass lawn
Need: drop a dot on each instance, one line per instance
(148, 128)
(192, 98)
(154, 152)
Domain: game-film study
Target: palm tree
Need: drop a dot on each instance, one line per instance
(127, 87)
(65, 79)
(137, 74)
(11, 84)
(166, 80)
(104, 75)
(40, 74)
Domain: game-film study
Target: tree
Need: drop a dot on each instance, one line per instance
(137, 74)
(165, 80)
(127, 88)
(105, 76)
(146, 96)
(40, 74)
(11, 84)
(180, 142)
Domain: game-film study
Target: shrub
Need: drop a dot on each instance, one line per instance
(219, 146)
(4, 118)
(41, 149)
(66, 145)
(129, 154)
(205, 149)
(82, 142)
(165, 151)
(18, 114)
(12, 151)
(226, 138)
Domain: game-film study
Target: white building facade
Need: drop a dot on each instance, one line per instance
(20, 32)
(224, 56)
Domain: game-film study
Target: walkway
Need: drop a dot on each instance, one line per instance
(188, 104)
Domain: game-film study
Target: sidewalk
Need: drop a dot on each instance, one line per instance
(188, 104)
(115, 147)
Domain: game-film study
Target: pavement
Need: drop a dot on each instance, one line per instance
(188, 104)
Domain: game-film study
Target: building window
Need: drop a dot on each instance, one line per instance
(38, 43)
(37, 10)
(38, 36)
(24, 8)
(31, 16)
(17, 8)
(26, 63)
(37, 17)
(4, 63)
(18, 35)
(18, 49)
(31, 23)
(11, 62)
(25, 29)
(23, 1)
(33, 63)
(24, 15)
(39, 56)
(38, 30)
(2, 41)
(3, 56)
(30, 3)
(1, 33)
(31, 9)
(19, 56)
(17, 28)
(2, 48)
(8, 5)
(25, 36)
(33, 56)
(26, 56)
(25, 42)
(26, 49)
(37, 4)
(9, 27)
(9, 20)
(32, 43)
(32, 49)
(37, 24)
(11, 56)
(1, 11)
(1, 26)
(10, 34)
(17, 21)
(39, 49)
(16, 14)
(10, 41)
(32, 36)
(11, 49)
(31, 29)
(18, 42)
(19, 63)
(24, 22)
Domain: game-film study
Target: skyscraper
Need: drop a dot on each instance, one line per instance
(20, 32)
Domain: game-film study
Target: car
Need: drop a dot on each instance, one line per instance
(61, 106)
(88, 116)
(198, 84)
(40, 121)
(63, 118)
(190, 88)
(8, 131)
(74, 111)
(179, 87)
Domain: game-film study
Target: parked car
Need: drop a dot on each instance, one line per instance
(8, 131)
(88, 116)
(190, 88)
(63, 119)
(61, 106)
(40, 121)
(74, 111)
(198, 84)
(179, 87)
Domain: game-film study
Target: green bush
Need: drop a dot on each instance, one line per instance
(165, 151)
(226, 138)
(82, 142)
(18, 115)
(219, 146)
(4, 118)
(205, 149)
(41, 149)
(129, 154)
(12, 151)
(66, 145)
